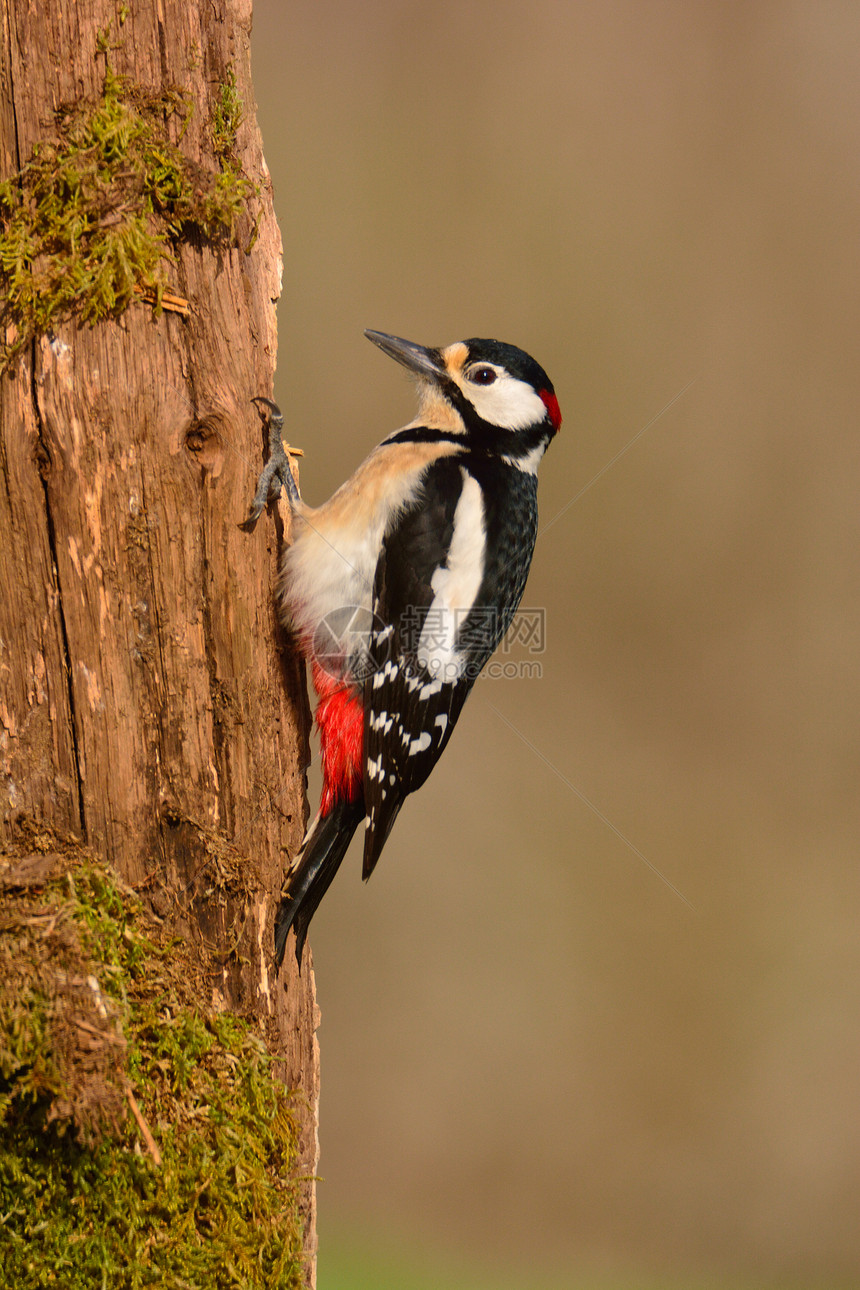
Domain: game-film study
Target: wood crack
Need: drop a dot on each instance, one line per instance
(61, 613)
(12, 94)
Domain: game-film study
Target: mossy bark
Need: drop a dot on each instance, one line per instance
(148, 702)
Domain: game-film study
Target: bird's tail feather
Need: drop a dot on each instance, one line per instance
(315, 866)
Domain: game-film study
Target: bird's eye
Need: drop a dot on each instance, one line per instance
(483, 376)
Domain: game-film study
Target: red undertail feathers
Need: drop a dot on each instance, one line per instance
(340, 720)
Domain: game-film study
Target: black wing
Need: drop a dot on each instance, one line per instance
(402, 737)
(410, 713)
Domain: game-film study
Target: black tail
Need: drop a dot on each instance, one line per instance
(316, 864)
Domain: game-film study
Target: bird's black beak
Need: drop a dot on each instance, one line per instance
(418, 359)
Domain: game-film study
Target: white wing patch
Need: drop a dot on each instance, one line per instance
(455, 585)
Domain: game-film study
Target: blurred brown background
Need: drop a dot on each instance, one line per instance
(535, 1052)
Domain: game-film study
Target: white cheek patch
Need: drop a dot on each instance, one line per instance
(507, 403)
(455, 586)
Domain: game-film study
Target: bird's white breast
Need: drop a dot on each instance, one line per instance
(332, 561)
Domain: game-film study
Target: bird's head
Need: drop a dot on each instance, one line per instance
(475, 386)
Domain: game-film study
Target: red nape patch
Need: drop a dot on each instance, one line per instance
(550, 402)
(340, 720)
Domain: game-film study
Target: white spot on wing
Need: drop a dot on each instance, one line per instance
(419, 745)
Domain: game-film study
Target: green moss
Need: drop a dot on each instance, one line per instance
(94, 216)
(228, 116)
(94, 1015)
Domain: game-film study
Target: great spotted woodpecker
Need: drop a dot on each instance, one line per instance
(400, 587)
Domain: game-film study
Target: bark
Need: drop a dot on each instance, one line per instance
(148, 702)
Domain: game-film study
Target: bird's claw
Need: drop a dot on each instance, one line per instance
(276, 473)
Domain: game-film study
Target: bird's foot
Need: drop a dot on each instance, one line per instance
(276, 473)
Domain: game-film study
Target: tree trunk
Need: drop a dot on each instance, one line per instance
(148, 702)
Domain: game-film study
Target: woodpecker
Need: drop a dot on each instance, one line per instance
(399, 588)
